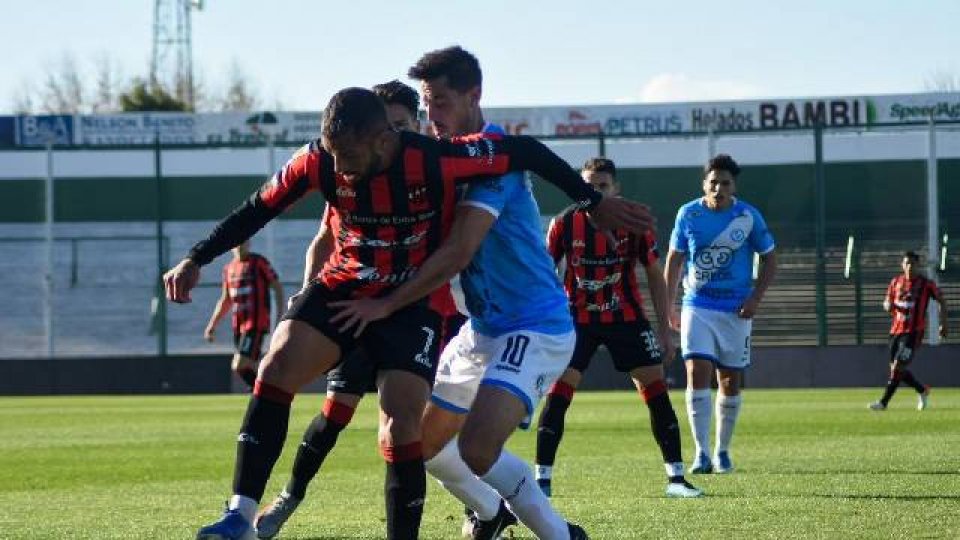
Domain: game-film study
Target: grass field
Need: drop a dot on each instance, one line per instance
(810, 464)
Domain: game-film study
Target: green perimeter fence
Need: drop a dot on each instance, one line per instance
(843, 204)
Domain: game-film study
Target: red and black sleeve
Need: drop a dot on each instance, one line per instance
(485, 154)
(298, 177)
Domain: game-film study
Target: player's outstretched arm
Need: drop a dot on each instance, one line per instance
(942, 309)
(485, 155)
(469, 229)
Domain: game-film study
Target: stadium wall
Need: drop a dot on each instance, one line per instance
(773, 367)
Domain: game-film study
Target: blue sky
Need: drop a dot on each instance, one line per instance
(533, 53)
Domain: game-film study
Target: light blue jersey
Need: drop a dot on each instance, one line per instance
(511, 283)
(718, 273)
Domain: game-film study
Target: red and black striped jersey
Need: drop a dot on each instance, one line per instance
(600, 278)
(908, 300)
(385, 227)
(247, 282)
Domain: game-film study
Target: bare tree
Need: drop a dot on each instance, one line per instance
(942, 81)
(62, 90)
(240, 94)
(107, 87)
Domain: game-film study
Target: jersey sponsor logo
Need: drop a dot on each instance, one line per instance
(593, 285)
(710, 263)
(611, 305)
(353, 218)
(373, 275)
(600, 261)
(355, 240)
(237, 291)
(346, 192)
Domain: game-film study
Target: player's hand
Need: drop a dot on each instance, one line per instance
(359, 313)
(675, 319)
(749, 308)
(667, 348)
(943, 330)
(209, 334)
(619, 213)
(180, 280)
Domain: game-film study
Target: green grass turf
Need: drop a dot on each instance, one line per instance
(810, 464)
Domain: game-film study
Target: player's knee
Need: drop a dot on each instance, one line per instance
(478, 456)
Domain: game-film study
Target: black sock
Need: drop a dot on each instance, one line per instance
(912, 381)
(318, 441)
(892, 385)
(249, 376)
(663, 421)
(261, 439)
(404, 490)
(550, 426)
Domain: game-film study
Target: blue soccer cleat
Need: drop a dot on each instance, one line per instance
(232, 526)
(722, 463)
(701, 465)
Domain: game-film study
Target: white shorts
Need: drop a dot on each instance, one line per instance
(719, 336)
(523, 363)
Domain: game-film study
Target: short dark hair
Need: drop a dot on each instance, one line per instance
(397, 93)
(722, 162)
(912, 255)
(461, 68)
(356, 112)
(602, 165)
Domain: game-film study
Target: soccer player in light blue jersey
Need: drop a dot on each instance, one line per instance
(520, 335)
(711, 248)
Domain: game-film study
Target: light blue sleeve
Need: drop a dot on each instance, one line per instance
(492, 194)
(761, 240)
(678, 237)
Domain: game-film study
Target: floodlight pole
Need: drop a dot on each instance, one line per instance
(933, 226)
(48, 275)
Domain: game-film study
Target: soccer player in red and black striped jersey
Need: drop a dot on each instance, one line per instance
(601, 282)
(246, 280)
(392, 197)
(908, 296)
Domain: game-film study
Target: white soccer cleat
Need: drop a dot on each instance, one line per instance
(923, 400)
(877, 406)
(683, 490)
(272, 518)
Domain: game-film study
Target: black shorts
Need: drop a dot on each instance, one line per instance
(904, 346)
(631, 345)
(408, 340)
(357, 375)
(249, 344)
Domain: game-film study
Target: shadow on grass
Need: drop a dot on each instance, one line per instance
(955, 497)
(862, 471)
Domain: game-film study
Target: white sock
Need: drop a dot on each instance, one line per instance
(513, 480)
(544, 471)
(728, 409)
(699, 408)
(453, 474)
(245, 505)
(673, 469)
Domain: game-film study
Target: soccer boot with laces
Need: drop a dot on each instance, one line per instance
(877, 406)
(683, 490)
(232, 526)
(491, 529)
(271, 519)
